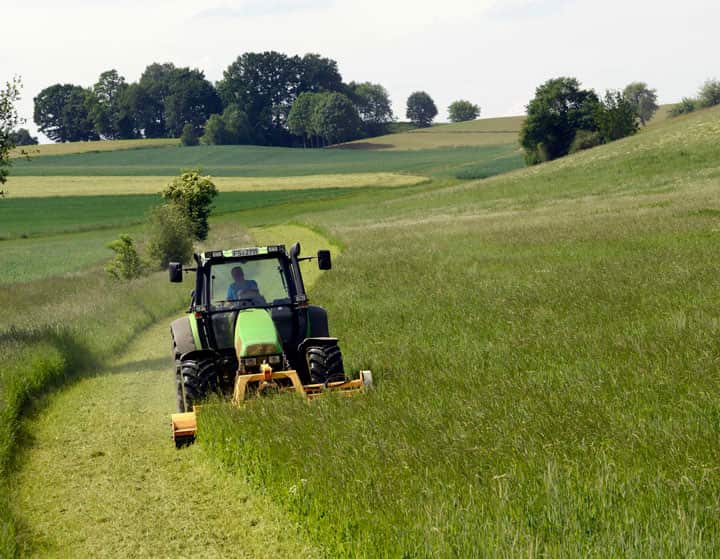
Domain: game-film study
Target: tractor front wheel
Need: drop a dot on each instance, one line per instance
(194, 380)
(325, 364)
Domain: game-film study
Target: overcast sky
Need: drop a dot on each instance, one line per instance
(492, 52)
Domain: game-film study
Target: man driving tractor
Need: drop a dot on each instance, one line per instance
(240, 284)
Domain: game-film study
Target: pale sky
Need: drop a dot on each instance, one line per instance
(492, 52)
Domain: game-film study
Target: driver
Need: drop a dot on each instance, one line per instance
(239, 284)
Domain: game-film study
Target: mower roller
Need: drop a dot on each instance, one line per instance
(250, 332)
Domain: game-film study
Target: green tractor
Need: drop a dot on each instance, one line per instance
(250, 331)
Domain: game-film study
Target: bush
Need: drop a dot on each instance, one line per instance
(170, 234)
(189, 137)
(126, 265)
(709, 95)
(615, 117)
(685, 106)
(193, 194)
(585, 139)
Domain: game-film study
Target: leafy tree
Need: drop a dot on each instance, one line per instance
(300, 119)
(615, 117)
(265, 85)
(108, 111)
(126, 264)
(9, 119)
(22, 137)
(193, 194)
(709, 95)
(336, 119)
(685, 106)
(61, 112)
(421, 109)
(188, 136)
(558, 110)
(460, 111)
(147, 101)
(230, 127)
(585, 139)
(372, 102)
(170, 235)
(190, 99)
(643, 100)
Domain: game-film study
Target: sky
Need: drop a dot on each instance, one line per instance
(491, 52)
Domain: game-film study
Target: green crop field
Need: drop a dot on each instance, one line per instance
(543, 340)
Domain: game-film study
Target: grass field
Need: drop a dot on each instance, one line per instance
(544, 344)
(91, 147)
(253, 161)
(43, 187)
(546, 352)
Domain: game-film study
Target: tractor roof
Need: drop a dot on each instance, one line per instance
(241, 252)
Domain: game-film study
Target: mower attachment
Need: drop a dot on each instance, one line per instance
(184, 425)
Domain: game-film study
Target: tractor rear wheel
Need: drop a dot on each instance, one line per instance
(194, 381)
(325, 364)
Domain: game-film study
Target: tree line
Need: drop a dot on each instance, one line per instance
(266, 98)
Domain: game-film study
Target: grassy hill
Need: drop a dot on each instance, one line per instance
(547, 364)
(91, 147)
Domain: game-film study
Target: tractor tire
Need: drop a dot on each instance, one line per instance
(194, 381)
(325, 364)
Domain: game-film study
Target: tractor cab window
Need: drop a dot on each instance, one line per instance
(255, 282)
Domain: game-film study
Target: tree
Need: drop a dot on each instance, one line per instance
(460, 111)
(61, 112)
(300, 119)
(188, 136)
(193, 194)
(191, 99)
(336, 119)
(709, 95)
(9, 119)
(643, 100)
(170, 235)
(147, 100)
(558, 110)
(108, 110)
(373, 105)
(126, 264)
(22, 137)
(229, 128)
(421, 109)
(265, 86)
(615, 117)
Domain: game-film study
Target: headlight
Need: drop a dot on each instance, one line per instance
(250, 362)
(274, 359)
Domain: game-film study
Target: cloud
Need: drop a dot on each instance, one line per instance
(259, 8)
(526, 9)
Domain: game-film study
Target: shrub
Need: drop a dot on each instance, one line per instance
(189, 137)
(126, 264)
(709, 95)
(615, 117)
(585, 139)
(685, 106)
(170, 236)
(193, 194)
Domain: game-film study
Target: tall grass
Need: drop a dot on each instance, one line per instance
(51, 331)
(545, 348)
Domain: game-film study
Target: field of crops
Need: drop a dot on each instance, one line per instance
(544, 344)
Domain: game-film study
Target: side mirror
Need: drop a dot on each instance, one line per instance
(324, 260)
(176, 272)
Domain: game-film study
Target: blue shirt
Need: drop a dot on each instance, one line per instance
(235, 288)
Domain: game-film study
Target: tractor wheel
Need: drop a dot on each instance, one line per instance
(194, 380)
(325, 364)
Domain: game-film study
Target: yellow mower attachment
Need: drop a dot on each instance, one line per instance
(184, 425)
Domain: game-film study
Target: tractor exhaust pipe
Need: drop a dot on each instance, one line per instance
(301, 296)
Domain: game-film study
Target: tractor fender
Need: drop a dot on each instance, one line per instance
(182, 335)
(316, 342)
(199, 355)
(317, 322)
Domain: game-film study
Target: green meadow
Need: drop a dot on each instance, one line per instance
(543, 343)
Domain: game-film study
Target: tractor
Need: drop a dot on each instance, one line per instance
(250, 332)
